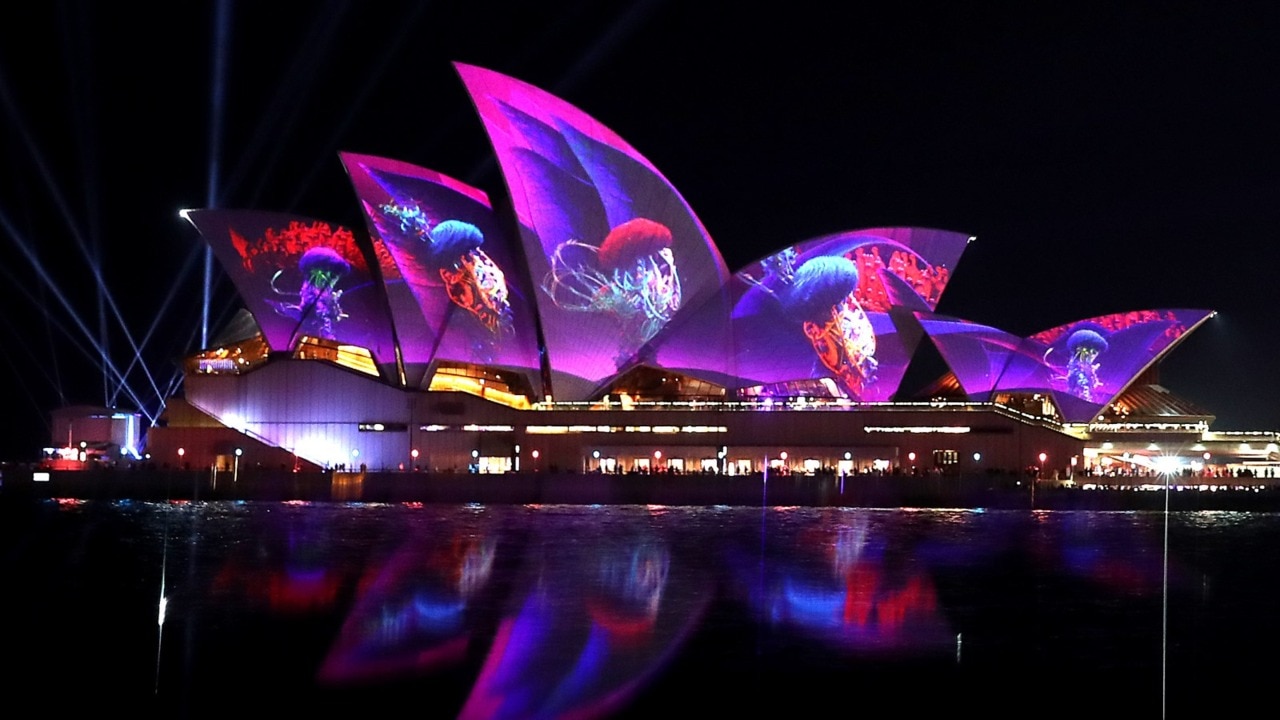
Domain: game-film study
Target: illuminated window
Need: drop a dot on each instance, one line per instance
(647, 384)
(503, 387)
(231, 359)
(352, 357)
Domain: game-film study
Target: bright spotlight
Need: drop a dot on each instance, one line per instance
(1168, 465)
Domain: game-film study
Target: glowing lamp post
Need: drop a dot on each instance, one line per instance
(535, 460)
(181, 453)
(235, 468)
(413, 458)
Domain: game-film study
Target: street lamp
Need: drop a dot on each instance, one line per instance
(413, 455)
(235, 471)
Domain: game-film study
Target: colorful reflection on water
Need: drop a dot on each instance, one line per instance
(602, 611)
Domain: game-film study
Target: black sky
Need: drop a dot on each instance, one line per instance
(1108, 158)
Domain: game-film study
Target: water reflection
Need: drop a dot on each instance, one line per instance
(558, 611)
(586, 626)
(414, 612)
(847, 583)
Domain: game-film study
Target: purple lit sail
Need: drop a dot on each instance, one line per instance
(984, 358)
(300, 277)
(1091, 361)
(821, 310)
(458, 291)
(1083, 365)
(585, 200)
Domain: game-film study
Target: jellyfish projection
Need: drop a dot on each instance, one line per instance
(473, 281)
(316, 306)
(1084, 346)
(822, 299)
(779, 269)
(631, 277)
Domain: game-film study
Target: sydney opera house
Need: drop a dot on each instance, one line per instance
(580, 318)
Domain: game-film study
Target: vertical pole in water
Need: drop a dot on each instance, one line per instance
(764, 516)
(1164, 602)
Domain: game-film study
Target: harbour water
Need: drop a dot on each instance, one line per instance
(205, 608)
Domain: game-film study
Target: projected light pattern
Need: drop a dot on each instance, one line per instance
(821, 309)
(457, 290)
(983, 357)
(613, 246)
(300, 277)
(1090, 361)
(1083, 364)
(631, 277)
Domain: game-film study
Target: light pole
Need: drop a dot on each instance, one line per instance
(235, 467)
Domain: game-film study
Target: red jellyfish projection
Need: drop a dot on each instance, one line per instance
(631, 277)
(822, 299)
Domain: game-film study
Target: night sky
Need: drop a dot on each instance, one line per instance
(1106, 158)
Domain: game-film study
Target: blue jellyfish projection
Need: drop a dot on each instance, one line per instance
(473, 281)
(778, 269)
(821, 298)
(316, 306)
(1084, 346)
(631, 277)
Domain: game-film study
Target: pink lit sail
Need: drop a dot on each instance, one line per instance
(616, 252)
(457, 290)
(300, 277)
